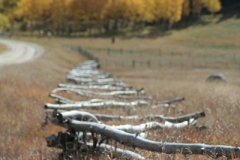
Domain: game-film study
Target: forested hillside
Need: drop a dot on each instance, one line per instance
(68, 16)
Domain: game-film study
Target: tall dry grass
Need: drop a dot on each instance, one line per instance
(24, 90)
(2, 47)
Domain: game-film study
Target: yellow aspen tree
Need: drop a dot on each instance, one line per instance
(31, 9)
(7, 6)
(176, 11)
(159, 9)
(186, 8)
(167, 9)
(114, 9)
(149, 8)
(140, 10)
(60, 10)
(135, 10)
(80, 9)
(97, 8)
(196, 6)
(60, 15)
(86, 12)
(3, 21)
(143, 12)
(212, 5)
(92, 8)
(34, 10)
(46, 6)
(76, 8)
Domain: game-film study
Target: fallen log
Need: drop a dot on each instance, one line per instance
(60, 118)
(118, 152)
(139, 92)
(81, 81)
(90, 80)
(87, 66)
(213, 151)
(153, 125)
(55, 142)
(96, 87)
(104, 117)
(88, 72)
(78, 115)
(62, 100)
(82, 74)
(94, 105)
(183, 118)
(178, 99)
(161, 118)
(50, 113)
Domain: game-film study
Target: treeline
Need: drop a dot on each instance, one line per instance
(67, 16)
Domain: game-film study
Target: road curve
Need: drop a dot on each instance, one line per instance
(19, 52)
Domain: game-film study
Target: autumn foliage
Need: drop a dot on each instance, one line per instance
(62, 13)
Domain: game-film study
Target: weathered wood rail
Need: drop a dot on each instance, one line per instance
(133, 140)
(86, 134)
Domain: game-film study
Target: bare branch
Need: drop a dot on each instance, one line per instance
(97, 87)
(178, 99)
(56, 142)
(139, 92)
(106, 117)
(95, 104)
(78, 115)
(214, 151)
(183, 118)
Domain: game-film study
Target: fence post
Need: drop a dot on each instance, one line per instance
(234, 57)
(133, 63)
(106, 62)
(149, 63)
(108, 50)
(78, 49)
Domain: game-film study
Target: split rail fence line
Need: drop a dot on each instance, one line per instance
(86, 136)
(159, 59)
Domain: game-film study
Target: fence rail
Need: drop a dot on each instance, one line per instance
(119, 58)
(85, 135)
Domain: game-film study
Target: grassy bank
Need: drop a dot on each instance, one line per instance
(2, 47)
(24, 89)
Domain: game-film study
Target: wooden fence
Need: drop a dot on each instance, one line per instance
(86, 136)
(120, 58)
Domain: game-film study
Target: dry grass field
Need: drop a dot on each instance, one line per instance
(24, 89)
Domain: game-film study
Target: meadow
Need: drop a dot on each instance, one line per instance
(24, 88)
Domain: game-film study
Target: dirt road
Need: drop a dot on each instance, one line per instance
(19, 52)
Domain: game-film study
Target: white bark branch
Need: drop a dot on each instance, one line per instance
(60, 118)
(214, 151)
(55, 142)
(96, 87)
(72, 114)
(183, 118)
(119, 153)
(178, 99)
(63, 100)
(95, 104)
